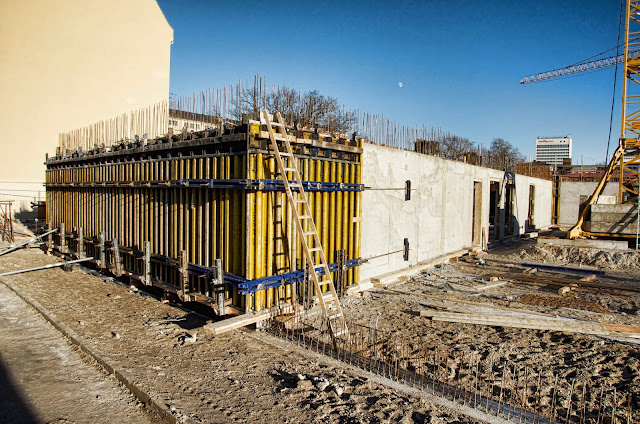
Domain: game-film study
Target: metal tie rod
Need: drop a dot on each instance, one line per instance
(37, 268)
(16, 246)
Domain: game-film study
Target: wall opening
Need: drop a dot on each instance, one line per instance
(532, 203)
(494, 210)
(510, 191)
(476, 237)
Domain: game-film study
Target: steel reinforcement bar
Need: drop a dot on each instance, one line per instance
(497, 386)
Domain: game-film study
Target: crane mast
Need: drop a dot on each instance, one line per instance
(627, 154)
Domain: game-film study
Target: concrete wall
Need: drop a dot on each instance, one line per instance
(68, 63)
(438, 218)
(570, 192)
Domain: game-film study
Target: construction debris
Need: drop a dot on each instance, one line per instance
(564, 325)
(562, 302)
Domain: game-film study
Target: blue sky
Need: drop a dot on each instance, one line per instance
(460, 63)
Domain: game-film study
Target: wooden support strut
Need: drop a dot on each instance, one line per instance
(310, 241)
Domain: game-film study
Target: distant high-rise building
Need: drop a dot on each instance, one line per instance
(552, 150)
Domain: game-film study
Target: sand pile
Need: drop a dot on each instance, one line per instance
(608, 259)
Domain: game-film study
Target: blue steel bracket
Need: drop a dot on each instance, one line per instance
(252, 286)
(266, 185)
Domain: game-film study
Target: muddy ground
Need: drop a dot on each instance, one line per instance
(248, 376)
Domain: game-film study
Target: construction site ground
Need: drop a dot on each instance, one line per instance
(249, 376)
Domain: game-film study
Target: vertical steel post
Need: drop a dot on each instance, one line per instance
(80, 251)
(103, 252)
(116, 258)
(63, 246)
(184, 276)
(218, 284)
(147, 264)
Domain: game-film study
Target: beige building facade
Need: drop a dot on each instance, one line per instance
(67, 64)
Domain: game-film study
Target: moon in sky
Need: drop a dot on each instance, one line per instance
(400, 84)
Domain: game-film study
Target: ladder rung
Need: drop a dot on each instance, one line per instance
(304, 217)
(315, 249)
(285, 154)
(334, 316)
(308, 233)
(299, 201)
(289, 169)
(324, 283)
(339, 333)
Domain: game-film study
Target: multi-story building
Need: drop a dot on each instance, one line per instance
(552, 150)
(63, 66)
(180, 121)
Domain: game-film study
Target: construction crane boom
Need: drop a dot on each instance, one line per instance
(573, 69)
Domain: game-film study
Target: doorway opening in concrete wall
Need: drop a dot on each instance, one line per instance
(532, 201)
(509, 224)
(477, 213)
(494, 210)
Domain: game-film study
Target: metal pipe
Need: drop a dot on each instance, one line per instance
(20, 271)
(24, 243)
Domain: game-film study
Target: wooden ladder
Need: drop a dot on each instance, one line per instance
(332, 311)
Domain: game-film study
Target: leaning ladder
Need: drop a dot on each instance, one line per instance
(318, 270)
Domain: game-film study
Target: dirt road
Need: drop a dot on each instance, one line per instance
(45, 379)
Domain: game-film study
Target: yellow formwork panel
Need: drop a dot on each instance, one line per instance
(251, 231)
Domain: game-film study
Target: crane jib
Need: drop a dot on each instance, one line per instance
(574, 69)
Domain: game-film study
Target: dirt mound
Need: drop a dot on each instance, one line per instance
(608, 259)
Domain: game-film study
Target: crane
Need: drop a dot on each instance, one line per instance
(627, 154)
(573, 69)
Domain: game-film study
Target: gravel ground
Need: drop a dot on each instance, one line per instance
(236, 377)
(250, 376)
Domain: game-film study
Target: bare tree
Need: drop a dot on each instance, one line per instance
(455, 147)
(503, 155)
(310, 110)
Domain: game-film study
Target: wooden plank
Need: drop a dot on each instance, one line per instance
(467, 302)
(563, 325)
(490, 285)
(565, 282)
(236, 322)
